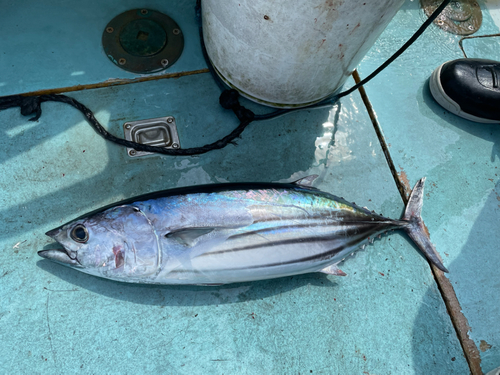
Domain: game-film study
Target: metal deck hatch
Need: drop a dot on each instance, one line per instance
(143, 41)
(462, 17)
(160, 132)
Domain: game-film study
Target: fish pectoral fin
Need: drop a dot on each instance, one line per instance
(333, 270)
(188, 236)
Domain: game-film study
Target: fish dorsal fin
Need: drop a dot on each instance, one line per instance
(306, 181)
(333, 270)
(188, 236)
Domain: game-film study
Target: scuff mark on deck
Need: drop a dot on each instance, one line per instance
(484, 346)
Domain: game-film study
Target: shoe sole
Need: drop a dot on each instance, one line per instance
(447, 103)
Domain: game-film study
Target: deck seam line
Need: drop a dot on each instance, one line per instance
(458, 319)
(110, 83)
(378, 130)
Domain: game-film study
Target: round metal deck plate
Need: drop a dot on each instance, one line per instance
(143, 41)
(462, 17)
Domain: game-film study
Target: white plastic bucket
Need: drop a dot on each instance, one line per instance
(291, 53)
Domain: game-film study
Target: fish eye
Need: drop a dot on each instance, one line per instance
(79, 233)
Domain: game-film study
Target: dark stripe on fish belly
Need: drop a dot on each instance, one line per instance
(285, 227)
(323, 256)
(356, 229)
(352, 242)
(318, 257)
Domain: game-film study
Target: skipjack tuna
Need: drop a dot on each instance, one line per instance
(226, 233)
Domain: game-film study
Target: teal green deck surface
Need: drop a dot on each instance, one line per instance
(386, 317)
(390, 323)
(461, 160)
(48, 45)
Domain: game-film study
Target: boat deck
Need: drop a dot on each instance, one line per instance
(392, 314)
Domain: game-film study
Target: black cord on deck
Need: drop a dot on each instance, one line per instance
(330, 100)
(32, 105)
(405, 46)
(229, 99)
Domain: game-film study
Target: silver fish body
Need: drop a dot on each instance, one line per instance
(225, 233)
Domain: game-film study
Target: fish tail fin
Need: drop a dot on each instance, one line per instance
(416, 229)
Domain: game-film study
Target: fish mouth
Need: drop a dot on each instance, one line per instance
(59, 255)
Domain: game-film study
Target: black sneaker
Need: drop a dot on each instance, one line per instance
(469, 88)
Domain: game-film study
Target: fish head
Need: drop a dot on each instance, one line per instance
(117, 243)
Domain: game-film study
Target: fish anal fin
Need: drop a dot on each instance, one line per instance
(306, 181)
(333, 270)
(188, 236)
